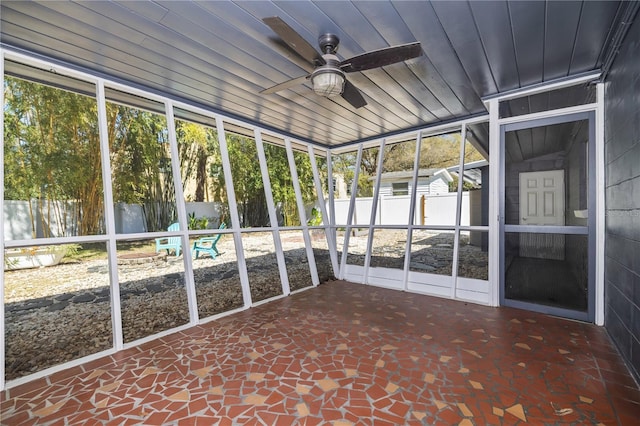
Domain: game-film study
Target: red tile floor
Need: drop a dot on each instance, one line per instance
(345, 354)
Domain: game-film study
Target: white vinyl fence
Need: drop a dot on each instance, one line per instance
(394, 210)
(129, 218)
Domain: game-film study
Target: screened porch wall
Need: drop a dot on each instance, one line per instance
(309, 241)
(308, 236)
(183, 283)
(415, 254)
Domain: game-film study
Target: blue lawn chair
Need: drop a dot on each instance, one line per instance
(170, 243)
(208, 244)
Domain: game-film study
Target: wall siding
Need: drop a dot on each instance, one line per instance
(622, 200)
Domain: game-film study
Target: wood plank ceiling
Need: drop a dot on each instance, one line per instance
(220, 55)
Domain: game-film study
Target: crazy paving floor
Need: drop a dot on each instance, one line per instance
(346, 354)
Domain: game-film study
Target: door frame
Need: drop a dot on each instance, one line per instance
(589, 230)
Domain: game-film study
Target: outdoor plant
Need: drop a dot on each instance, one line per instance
(12, 257)
(196, 223)
(316, 217)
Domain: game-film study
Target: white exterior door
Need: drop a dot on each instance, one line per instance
(542, 203)
(542, 198)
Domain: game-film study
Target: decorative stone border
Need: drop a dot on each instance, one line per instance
(140, 258)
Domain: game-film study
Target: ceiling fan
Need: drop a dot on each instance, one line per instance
(328, 76)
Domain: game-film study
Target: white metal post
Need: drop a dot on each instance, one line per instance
(600, 205)
(233, 212)
(266, 181)
(494, 203)
(182, 214)
(303, 216)
(332, 211)
(110, 222)
(412, 209)
(328, 223)
(456, 236)
(332, 237)
(352, 205)
(2, 332)
(374, 210)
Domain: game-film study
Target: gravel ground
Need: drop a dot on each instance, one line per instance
(63, 312)
(60, 313)
(431, 252)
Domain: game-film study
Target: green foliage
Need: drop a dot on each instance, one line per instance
(369, 162)
(196, 223)
(52, 154)
(323, 174)
(88, 251)
(248, 184)
(466, 186)
(344, 164)
(140, 162)
(247, 180)
(282, 184)
(305, 176)
(71, 250)
(399, 157)
(316, 217)
(141, 165)
(67, 250)
(435, 152)
(195, 147)
(365, 185)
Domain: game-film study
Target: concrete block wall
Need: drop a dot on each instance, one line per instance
(622, 200)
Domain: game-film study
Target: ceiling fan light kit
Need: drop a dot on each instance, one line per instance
(328, 80)
(329, 75)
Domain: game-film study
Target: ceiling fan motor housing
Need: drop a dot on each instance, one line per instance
(328, 43)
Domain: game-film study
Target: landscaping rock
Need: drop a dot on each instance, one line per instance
(83, 298)
(58, 306)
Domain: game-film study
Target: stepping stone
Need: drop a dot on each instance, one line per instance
(155, 288)
(41, 303)
(63, 297)
(102, 293)
(209, 277)
(83, 298)
(58, 306)
(228, 274)
(422, 267)
(169, 283)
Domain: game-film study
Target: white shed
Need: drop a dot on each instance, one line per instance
(430, 182)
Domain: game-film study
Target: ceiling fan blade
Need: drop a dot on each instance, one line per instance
(286, 85)
(351, 94)
(294, 40)
(382, 57)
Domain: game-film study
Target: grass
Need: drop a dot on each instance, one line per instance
(93, 251)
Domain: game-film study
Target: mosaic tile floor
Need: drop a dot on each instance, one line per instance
(346, 354)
